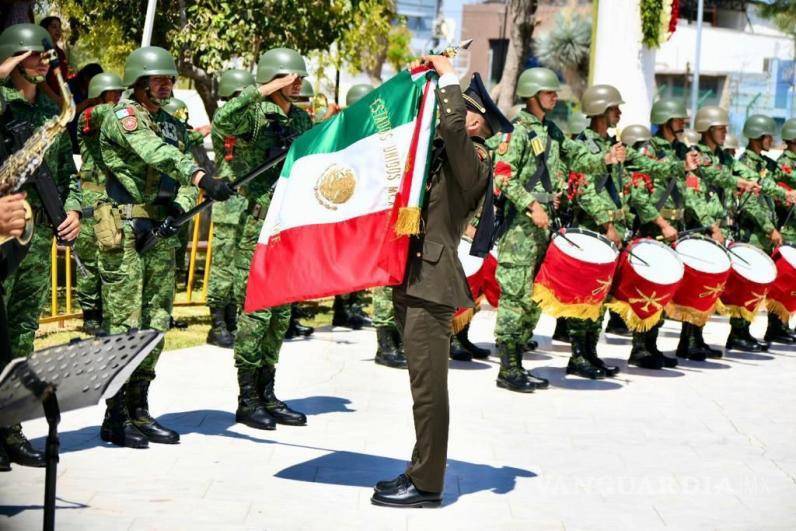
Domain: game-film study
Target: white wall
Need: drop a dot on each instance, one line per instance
(723, 50)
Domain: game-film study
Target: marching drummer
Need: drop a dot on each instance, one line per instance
(530, 168)
(756, 214)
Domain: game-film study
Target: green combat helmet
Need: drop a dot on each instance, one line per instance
(22, 38)
(356, 93)
(599, 98)
(666, 109)
(233, 81)
(633, 134)
(148, 61)
(307, 91)
(758, 125)
(576, 123)
(534, 80)
(177, 108)
(690, 137)
(731, 142)
(710, 116)
(789, 130)
(280, 61)
(102, 82)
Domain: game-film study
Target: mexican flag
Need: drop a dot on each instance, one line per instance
(349, 194)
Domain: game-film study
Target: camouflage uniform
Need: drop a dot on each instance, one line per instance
(522, 246)
(260, 334)
(787, 176)
(92, 179)
(141, 150)
(383, 311)
(26, 290)
(758, 216)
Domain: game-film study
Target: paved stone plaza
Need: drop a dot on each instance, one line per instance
(704, 446)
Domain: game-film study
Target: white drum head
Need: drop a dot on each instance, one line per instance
(703, 255)
(470, 264)
(788, 252)
(752, 263)
(588, 248)
(663, 266)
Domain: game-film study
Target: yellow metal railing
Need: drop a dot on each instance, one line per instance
(55, 313)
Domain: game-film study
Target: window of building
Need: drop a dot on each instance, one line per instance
(679, 86)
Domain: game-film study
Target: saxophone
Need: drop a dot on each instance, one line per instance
(23, 163)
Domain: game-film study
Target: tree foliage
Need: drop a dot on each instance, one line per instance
(565, 48)
(207, 36)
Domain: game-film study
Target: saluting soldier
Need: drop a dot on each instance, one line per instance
(106, 89)
(227, 225)
(149, 179)
(435, 285)
(27, 288)
(253, 122)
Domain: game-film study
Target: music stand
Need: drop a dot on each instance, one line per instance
(66, 377)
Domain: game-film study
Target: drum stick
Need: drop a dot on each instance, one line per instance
(738, 256)
(787, 218)
(693, 256)
(637, 257)
(573, 244)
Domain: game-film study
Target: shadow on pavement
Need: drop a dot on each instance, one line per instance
(559, 378)
(474, 365)
(354, 469)
(682, 363)
(202, 421)
(13, 510)
(748, 356)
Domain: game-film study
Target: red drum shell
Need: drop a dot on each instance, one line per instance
(698, 294)
(781, 298)
(743, 297)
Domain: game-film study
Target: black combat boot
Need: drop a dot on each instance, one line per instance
(358, 311)
(579, 363)
(117, 427)
(561, 332)
(511, 375)
(388, 352)
(138, 409)
(296, 329)
(474, 350)
(5, 462)
(231, 317)
(278, 409)
(529, 346)
(651, 344)
(218, 334)
(709, 351)
(641, 357)
(687, 347)
(92, 322)
(457, 352)
(343, 316)
(777, 332)
(616, 325)
(740, 338)
(251, 408)
(592, 338)
(18, 448)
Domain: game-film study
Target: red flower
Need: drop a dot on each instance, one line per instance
(675, 16)
(787, 168)
(575, 184)
(641, 178)
(692, 181)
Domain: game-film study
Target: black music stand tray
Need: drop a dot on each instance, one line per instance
(82, 373)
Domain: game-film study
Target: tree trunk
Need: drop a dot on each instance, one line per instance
(521, 13)
(203, 84)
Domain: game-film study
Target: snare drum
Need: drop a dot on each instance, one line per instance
(576, 274)
(707, 267)
(480, 273)
(781, 298)
(645, 282)
(751, 276)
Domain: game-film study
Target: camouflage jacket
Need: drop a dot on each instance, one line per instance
(58, 157)
(786, 178)
(687, 192)
(241, 127)
(139, 149)
(760, 211)
(92, 169)
(614, 195)
(716, 171)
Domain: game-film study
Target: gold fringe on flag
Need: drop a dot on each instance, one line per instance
(633, 321)
(552, 306)
(690, 315)
(778, 309)
(408, 222)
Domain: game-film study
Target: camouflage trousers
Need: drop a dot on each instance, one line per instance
(517, 313)
(260, 334)
(227, 227)
(578, 328)
(89, 287)
(383, 310)
(26, 292)
(138, 292)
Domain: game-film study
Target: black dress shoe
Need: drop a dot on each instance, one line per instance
(405, 494)
(390, 484)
